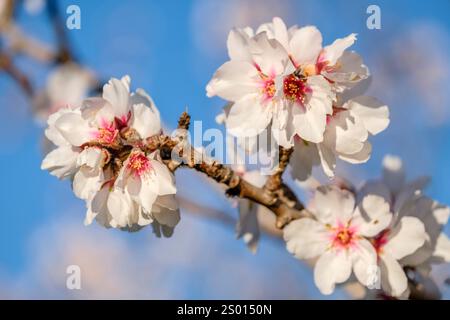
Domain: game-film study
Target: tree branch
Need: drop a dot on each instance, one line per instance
(7, 64)
(64, 51)
(279, 198)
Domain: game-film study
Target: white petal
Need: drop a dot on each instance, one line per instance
(373, 113)
(61, 162)
(269, 55)
(248, 117)
(86, 182)
(234, 80)
(165, 179)
(345, 133)
(97, 207)
(333, 205)
(365, 266)
(332, 268)
(237, 44)
(276, 30)
(309, 123)
(372, 216)
(52, 133)
(327, 159)
(283, 129)
(91, 157)
(144, 189)
(359, 157)
(117, 93)
(335, 50)
(406, 237)
(349, 70)
(120, 207)
(306, 238)
(393, 278)
(74, 128)
(306, 44)
(145, 121)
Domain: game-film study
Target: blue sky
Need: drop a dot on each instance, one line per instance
(171, 49)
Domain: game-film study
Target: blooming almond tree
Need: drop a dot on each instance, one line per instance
(311, 100)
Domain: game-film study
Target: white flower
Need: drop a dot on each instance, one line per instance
(102, 147)
(260, 82)
(67, 86)
(415, 239)
(144, 178)
(338, 236)
(402, 238)
(344, 69)
(407, 200)
(345, 137)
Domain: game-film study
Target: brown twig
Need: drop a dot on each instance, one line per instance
(177, 152)
(64, 51)
(274, 182)
(7, 64)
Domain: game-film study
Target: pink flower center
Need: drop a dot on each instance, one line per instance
(295, 88)
(343, 236)
(138, 164)
(107, 133)
(268, 88)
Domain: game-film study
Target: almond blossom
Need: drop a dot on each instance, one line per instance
(408, 200)
(101, 146)
(261, 83)
(338, 236)
(403, 237)
(342, 68)
(346, 137)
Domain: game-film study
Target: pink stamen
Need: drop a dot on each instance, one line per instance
(107, 133)
(343, 236)
(138, 164)
(122, 121)
(295, 89)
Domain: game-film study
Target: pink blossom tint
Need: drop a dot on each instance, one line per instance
(343, 236)
(107, 133)
(295, 88)
(380, 241)
(138, 164)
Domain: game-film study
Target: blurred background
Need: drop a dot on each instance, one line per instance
(171, 49)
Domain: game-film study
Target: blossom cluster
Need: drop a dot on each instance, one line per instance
(376, 232)
(307, 95)
(102, 146)
(310, 98)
